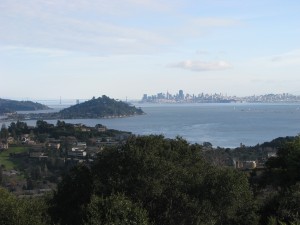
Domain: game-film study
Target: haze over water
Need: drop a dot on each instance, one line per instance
(224, 125)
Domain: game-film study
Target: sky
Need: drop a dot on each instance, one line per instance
(77, 49)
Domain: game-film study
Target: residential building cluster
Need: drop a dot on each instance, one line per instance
(40, 159)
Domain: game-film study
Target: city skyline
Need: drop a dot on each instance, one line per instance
(81, 49)
(182, 97)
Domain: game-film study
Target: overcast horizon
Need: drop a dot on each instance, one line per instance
(84, 48)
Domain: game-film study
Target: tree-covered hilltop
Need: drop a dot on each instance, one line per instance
(99, 108)
(9, 106)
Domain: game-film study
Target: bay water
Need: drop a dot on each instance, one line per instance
(224, 125)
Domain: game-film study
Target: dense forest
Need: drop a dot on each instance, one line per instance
(9, 106)
(154, 180)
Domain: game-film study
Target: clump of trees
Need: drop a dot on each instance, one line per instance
(154, 180)
(16, 211)
(282, 179)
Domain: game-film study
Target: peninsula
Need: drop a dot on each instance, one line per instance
(11, 106)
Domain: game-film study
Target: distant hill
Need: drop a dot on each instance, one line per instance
(10, 106)
(99, 108)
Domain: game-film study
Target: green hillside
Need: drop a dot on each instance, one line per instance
(9, 106)
(99, 108)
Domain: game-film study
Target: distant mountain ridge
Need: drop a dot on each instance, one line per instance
(10, 106)
(100, 108)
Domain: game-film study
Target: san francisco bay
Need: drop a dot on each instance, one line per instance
(224, 125)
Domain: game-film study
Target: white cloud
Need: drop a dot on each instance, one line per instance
(79, 25)
(99, 26)
(202, 66)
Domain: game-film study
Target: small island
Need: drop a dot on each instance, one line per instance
(11, 106)
(102, 107)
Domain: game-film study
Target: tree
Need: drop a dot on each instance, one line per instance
(1, 174)
(282, 207)
(18, 128)
(173, 183)
(14, 211)
(4, 132)
(284, 170)
(115, 209)
(67, 207)
(228, 194)
(43, 127)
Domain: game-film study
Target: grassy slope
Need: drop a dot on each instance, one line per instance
(8, 162)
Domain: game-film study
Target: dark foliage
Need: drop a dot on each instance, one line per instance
(173, 183)
(72, 196)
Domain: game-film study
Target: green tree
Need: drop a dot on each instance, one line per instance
(115, 209)
(284, 170)
(43, 127)
(174, 183)
(72, 196)
(14, 211)
(227, 193)
(18, 128)
(1, 174)
(283, 206)
(4, 132)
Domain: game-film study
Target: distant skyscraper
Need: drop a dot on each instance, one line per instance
(181, 95)
(145, 97)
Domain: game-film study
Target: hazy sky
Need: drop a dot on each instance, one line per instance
(85, 48)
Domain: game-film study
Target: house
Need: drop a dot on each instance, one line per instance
(3, 146)
(249, 164)
(100, 128)
(54, 144)
(77, 152)
(10, 140)
(272, 154)
(85, 129)
(81, 145)
(82, 127)
(24, 140)
(245, 164)
(108, 141)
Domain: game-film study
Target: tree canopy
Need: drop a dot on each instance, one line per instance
(157, 180)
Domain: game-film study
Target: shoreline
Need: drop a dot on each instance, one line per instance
(24, 117)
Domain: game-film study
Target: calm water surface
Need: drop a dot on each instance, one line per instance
(225, 125)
